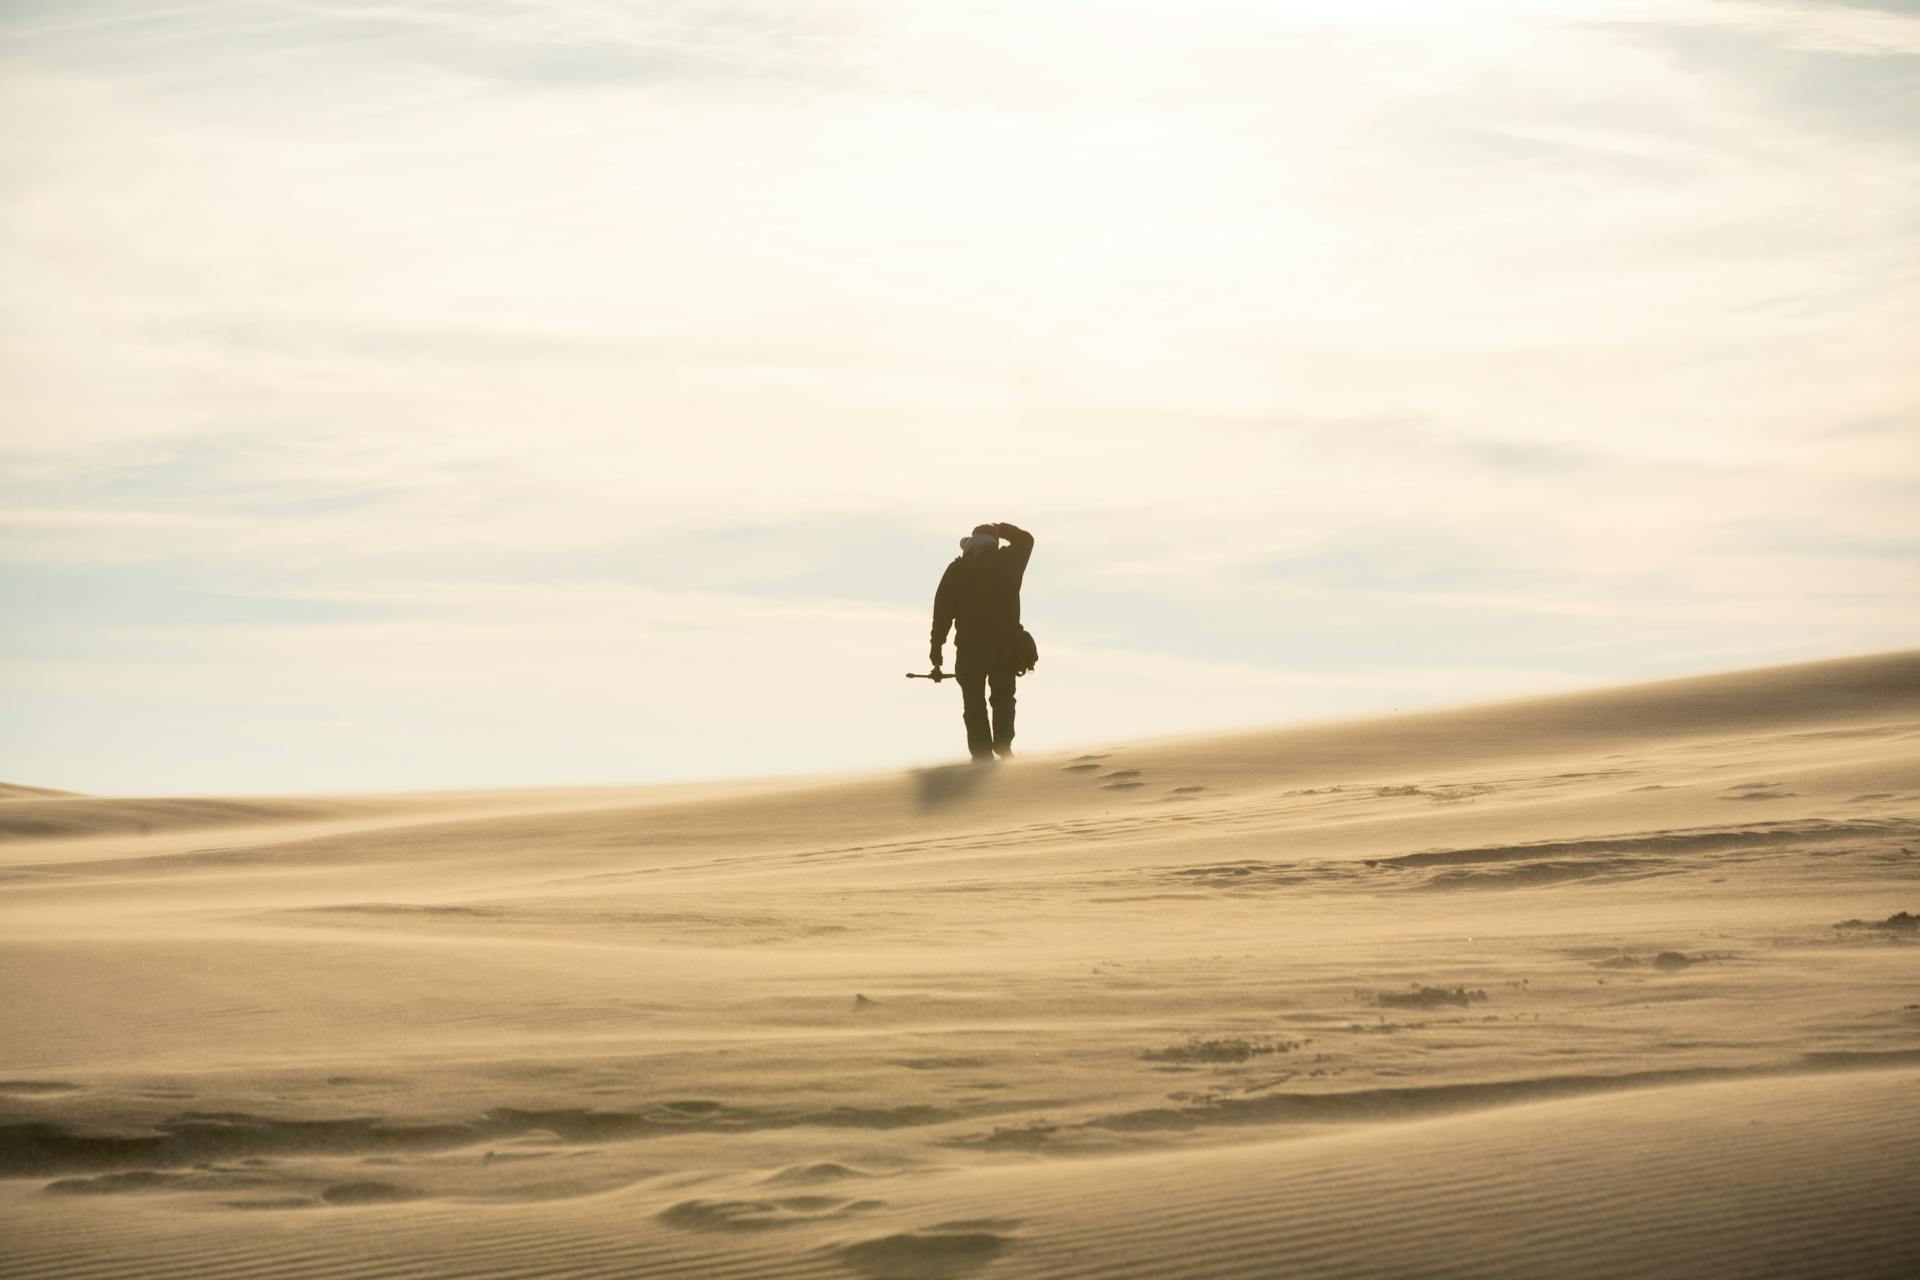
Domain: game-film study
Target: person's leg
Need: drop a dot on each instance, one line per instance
(973, 711)
(1003, 680)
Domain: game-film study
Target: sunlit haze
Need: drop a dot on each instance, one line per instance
(489, 393)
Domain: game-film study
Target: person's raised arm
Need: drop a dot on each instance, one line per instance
(1019, 542)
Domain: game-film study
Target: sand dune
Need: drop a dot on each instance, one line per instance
(15, 791)
(1613, 983)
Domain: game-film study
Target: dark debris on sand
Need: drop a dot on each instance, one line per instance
(1422, 997)
(1665, 961)
(1900, 923)
(1238, 1049)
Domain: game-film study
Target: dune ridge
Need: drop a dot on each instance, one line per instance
(1618, 982)
(18, 791)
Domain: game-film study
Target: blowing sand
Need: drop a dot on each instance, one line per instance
(1608, 984)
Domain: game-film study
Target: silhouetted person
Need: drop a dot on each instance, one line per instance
(979, 598)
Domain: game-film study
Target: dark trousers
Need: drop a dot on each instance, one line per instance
(974, 674)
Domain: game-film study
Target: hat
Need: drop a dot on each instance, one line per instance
(979, 541)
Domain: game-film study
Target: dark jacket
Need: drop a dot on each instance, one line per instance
(979, 598)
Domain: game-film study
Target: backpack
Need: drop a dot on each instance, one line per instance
(1026, 654)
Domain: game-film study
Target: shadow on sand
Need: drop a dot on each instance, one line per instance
(948, 783)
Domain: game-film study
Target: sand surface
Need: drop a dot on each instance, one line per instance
(1554, 987)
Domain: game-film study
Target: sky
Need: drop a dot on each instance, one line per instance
(474, 393)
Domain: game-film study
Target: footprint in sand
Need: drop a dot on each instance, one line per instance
(1757, 791)
(939, 1064)
(358, 1193)
(131, 1182)
(1120, 786)
(813, 1174)
(1079, 768)
(760, 1215)
(38, 1088)
(948, 1250)
(231, 1178)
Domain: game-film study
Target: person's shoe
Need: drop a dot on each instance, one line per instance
(1004, 750)
(986, 757)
